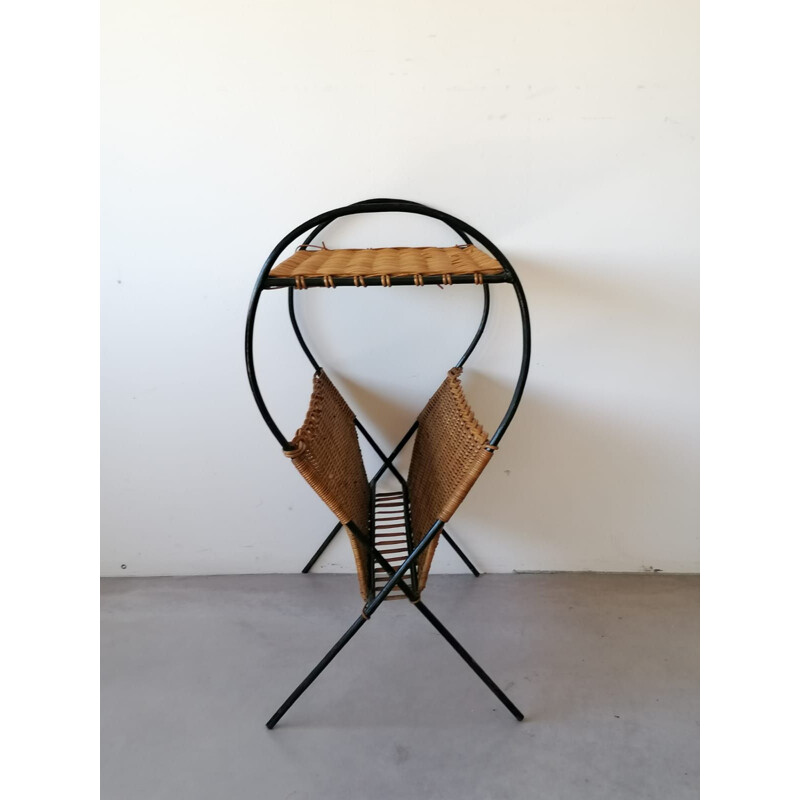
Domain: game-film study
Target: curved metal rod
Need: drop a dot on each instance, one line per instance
(299, 335)
(481, 327)
(301, 339)
(383, 207)
(313, 235)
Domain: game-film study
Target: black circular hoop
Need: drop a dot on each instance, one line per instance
(379, 205)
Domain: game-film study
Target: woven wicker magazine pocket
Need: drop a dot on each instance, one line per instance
(328, 456)
(450, 452)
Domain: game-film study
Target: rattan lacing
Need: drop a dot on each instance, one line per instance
(328, 456)
(387, 261)
(450, 451)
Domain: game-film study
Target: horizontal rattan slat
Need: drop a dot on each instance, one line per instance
(384, 264)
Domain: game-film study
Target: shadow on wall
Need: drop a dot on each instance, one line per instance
(595, 471)
(578, 477)
(386, 418)
(389, 417)
(600, 461)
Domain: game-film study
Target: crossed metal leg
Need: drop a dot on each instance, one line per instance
(332, 535)
(369, 610)
(395, 579)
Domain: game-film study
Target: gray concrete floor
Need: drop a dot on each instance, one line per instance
(605, 668)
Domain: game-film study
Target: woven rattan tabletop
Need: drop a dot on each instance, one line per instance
(386, 263)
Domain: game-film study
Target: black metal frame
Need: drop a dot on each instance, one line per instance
(315, 225)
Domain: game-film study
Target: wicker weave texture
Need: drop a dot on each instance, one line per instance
(328, 456)
(450, 452)
(389, 261)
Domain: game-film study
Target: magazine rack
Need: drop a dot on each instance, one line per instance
(393, 534)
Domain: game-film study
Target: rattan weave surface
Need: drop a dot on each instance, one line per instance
(390, 261)
(328, 456)
(450, 452)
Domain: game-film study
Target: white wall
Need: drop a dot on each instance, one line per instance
(565, 130)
